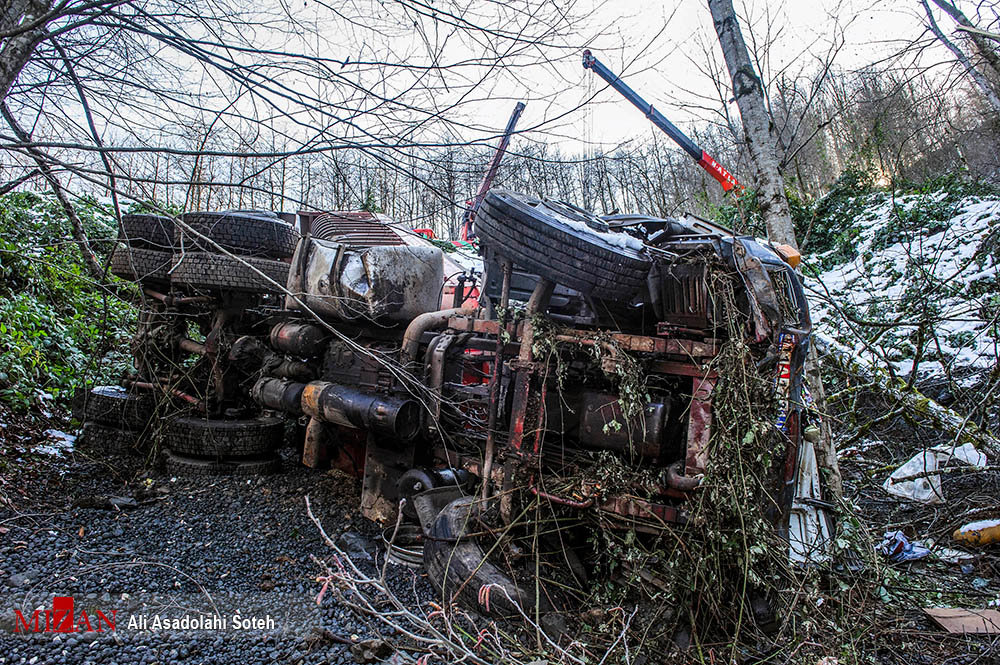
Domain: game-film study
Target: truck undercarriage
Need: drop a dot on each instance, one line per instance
(574, 368)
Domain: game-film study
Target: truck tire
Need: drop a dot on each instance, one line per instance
(179, 465)
(555, 240)
(221, 439)
(100, 439)
(458, 567)
(239, 232)
(145, 266)
(202, 270)
(149, 231)
(117, 407)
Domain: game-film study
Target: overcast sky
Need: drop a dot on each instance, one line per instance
(660, 47)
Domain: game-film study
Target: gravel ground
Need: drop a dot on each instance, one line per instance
(190, 546)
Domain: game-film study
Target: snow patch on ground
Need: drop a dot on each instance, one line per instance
(59, 443)
(903, 275)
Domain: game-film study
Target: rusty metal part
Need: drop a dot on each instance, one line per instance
(675, 478)
(172, 300)
(679, 293)
(383, 467)
(680, 369)
(604, 425)
(523, 403)
(645, 344)
(635, 508)
(279, 394)
(632, 343)
(145, 385)
(354, 228)
(507, 269)
(315, 451)
(424, 323)
(571, 503)
(305, 340)
(342, 405)
(436, 358)
(191, 346)
(213, 341)
(699, 426)
(485, 326)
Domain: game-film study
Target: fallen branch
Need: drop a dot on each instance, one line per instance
(960, 428)
(976, 31)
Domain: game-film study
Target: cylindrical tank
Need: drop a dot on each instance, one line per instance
(298, 339)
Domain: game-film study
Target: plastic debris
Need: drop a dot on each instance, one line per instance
(949, 555)
(982, 532)
(898, 548)
(927, 488)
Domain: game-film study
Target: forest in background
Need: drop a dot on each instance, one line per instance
(907, 118)
(895, 129)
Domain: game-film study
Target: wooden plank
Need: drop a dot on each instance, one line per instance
(959, 620)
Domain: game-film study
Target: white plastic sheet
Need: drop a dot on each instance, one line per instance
(927, 489)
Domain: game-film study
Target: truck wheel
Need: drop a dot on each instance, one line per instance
(149, 231)
(218, 272)
(240, 232)
(223, 438)
(146, 266)
(101, 439)
(458, 567)
(556, 240)
(187, 466)
(115, 406)
(563, 243)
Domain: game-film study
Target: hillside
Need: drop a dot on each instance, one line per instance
(909, 281)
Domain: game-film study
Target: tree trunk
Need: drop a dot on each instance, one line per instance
(16, 49)
(760, 138)
(984, 47)
(988, 90)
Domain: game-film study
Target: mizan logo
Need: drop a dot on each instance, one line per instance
(62, 619)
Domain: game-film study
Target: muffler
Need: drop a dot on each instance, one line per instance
(334, 403)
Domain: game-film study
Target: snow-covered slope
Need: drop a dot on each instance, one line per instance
(923, 283)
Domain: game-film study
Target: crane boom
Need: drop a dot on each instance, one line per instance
(468, 225)
(705, 161)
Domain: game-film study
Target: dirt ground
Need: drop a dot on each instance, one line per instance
(189, 546)
(195, 546)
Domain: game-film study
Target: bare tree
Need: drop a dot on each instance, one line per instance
(760, 135)
(988, 90)
(762, 143)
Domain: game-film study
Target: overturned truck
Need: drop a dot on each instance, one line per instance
(577, 342)
(588, 335)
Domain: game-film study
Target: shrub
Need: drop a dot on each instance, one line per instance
(57, 325)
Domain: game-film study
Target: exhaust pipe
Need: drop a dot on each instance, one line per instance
(334, 403)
